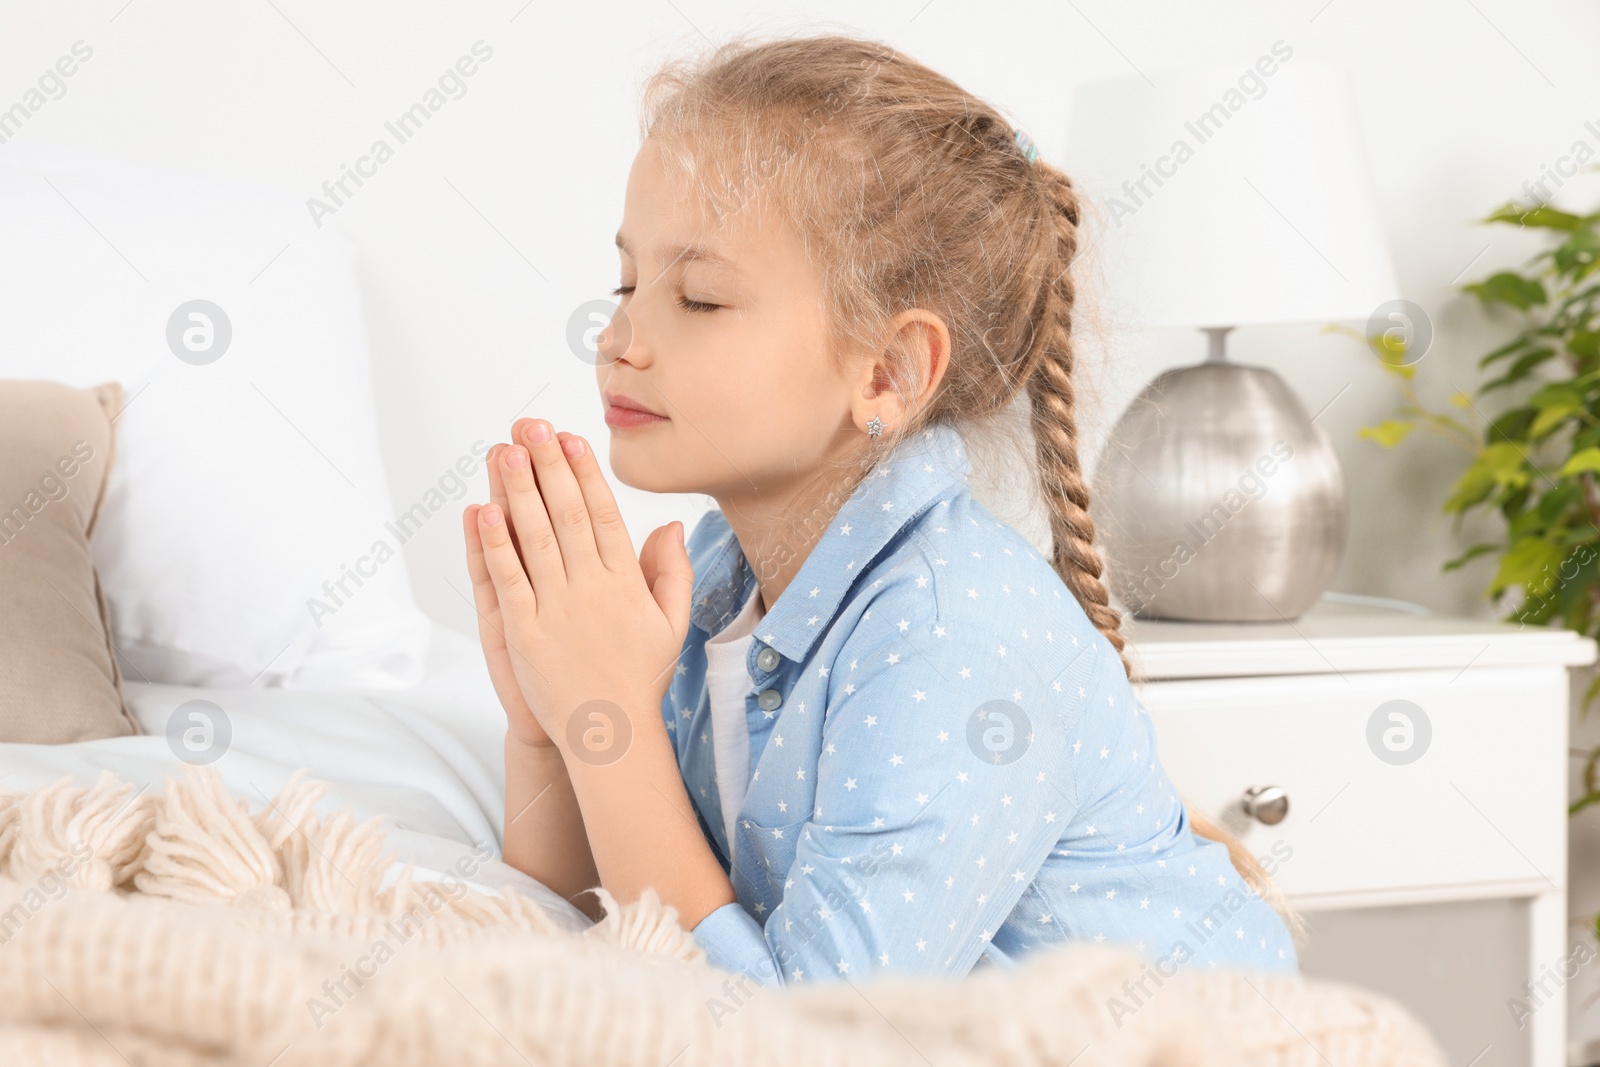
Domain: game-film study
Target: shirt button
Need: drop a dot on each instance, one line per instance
(767, 658)
(769, 699)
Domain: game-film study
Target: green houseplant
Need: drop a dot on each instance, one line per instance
(1533, 432)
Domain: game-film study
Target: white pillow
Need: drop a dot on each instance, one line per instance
(244, 490)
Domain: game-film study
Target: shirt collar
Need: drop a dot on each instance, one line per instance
(896, 490)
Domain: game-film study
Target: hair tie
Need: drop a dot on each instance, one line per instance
(1025, 143)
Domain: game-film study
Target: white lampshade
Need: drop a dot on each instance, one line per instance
(1230, 205)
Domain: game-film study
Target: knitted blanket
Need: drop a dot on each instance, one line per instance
(183, 929)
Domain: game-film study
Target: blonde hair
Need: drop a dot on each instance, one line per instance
(914, 194)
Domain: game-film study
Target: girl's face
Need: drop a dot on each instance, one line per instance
(721, 334)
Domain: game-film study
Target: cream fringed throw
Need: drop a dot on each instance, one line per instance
(197, 933)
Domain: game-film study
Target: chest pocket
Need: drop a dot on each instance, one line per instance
(763, 853)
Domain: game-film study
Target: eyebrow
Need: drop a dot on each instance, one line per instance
(689, 253)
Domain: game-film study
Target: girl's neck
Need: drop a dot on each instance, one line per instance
(777, 531)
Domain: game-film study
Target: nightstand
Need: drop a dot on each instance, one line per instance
(1423, 761)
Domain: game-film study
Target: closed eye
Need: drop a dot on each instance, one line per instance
(683, 301)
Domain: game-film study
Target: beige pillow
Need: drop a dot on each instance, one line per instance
(59, 679)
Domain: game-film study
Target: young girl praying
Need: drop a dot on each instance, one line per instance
(853, 723)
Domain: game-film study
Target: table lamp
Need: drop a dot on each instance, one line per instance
(1230, 197)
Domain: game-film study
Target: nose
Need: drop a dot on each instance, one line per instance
(618, 341)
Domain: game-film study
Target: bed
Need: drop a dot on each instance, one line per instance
(426, 759)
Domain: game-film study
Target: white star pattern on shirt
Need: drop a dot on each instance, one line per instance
(908, 779)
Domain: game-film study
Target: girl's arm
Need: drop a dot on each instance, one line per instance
(544, 834)
(642, 827)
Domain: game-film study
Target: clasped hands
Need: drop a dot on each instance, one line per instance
(567, 614)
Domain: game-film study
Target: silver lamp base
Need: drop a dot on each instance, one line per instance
(1218, 499)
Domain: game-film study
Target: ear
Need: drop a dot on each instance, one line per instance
(918, 339)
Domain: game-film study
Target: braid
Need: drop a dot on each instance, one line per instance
(1055, 424)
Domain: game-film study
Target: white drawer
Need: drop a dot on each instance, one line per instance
(1482, 807)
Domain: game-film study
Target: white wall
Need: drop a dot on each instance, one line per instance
(1460, 104)
(486, 230)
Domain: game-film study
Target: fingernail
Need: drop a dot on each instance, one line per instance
(678, 533)
(539, 433)
(573, 446)
(516, 458)
(491, 515)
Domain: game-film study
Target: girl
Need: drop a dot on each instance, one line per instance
(856, 723)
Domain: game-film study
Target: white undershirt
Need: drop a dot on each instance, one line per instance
(728, 681)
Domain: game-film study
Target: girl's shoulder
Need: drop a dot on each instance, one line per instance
(962, 625)
(966, 594)
(965, 568)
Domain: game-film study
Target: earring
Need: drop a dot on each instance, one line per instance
(874, 427)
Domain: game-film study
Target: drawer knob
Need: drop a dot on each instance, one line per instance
(1266, 803)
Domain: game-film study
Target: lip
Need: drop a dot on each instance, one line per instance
(624, 412)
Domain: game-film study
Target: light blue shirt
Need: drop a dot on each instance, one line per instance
(947, 762)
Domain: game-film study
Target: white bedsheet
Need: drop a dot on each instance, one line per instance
(428, 758)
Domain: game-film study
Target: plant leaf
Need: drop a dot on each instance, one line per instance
(1388, 433)
(1499, 464)
(1511, 425)
(1551, 417)
(1578, 254)
(1507, 287)
(1544, 216)
(1472, 488)
(1586, 460)
(1525, 562)
(1516, 344)
(1585, 344)
(1523, 366)
(1470, 554)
